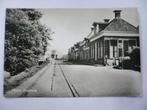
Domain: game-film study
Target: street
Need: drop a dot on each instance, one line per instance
(59, 79)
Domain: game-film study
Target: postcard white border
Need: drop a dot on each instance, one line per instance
(98, 103)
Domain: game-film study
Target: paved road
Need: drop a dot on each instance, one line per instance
(68, 80)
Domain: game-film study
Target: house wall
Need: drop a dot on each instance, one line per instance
(97, 51)
(118, 47)
(106, 50)
(111, 48)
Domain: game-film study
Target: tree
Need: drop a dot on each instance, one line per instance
(25, 39)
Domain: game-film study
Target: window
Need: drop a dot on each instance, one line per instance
(114, 48)
(113, 42)
(120, 41)
(132, 42)
(138, 43)
(126, 46)
(120, 52)
(107, 48)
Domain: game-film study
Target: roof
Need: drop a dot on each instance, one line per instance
(120, 25)
(117, 25)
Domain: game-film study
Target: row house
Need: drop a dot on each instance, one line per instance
(80, 51)
(73, 53)
(84, 50)
(109, 41)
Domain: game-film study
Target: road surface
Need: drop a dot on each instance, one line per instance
(59, 79)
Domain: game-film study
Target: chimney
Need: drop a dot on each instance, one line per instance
(117, 13)
(106, 20)
(92, 28)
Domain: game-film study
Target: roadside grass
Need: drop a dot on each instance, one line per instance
(14, 81)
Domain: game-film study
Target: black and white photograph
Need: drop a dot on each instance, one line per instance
(72, 52)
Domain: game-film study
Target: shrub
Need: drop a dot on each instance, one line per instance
(126, 64)
(135, 57)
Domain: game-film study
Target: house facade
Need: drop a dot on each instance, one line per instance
(109, 42)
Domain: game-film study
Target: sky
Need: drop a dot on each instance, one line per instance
(72, 25)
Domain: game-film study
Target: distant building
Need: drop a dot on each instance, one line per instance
(74, 52)
(108, 42)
